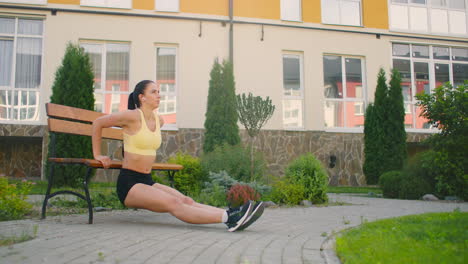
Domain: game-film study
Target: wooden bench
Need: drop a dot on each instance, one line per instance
(70, 120)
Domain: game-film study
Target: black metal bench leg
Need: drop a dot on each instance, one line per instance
(171, 177)
(49, 187)
(88, 198)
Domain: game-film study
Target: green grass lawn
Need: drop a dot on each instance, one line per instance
(427, 238)
(351, 189)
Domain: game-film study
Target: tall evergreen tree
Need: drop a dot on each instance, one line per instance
(375, 148)
(395, 125)
(371, 162)
(73, 86)
(384, 129)
(230, 105)
(221, 114)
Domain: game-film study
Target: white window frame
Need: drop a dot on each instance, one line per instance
(159, 9)
(30, 2)
(121, 4)
(324, 2)
(345, 99)
(300, 55)
(432, 81)
(283, 11)
(39, 100)
(170, 127)
(102, 91)
(428, 6)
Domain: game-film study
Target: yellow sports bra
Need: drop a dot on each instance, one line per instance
(145, 141)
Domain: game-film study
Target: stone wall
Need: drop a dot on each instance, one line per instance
(279, 149)
(21, 150)
(22, 156)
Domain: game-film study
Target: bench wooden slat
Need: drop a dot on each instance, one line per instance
(115, 164)
(68, 112)
(70, 127)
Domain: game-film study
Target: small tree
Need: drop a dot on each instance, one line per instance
(221, 117)
(447, 109)
(73, 86)
(253, 113)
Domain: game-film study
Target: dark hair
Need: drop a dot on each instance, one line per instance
(133, 99)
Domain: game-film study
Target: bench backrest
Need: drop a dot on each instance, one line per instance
(71, 120)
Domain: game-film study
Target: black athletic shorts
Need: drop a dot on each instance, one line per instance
(128, 178)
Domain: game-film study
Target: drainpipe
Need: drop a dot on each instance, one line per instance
(231, 34)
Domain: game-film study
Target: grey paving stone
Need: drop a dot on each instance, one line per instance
(282, 235)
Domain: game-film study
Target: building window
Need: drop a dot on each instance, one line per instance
(110, 63)
(166, 79)
(424, 67)
(167, 5)
(293, 91)
(446, 17)
(291, 10)
(344, 91)
(20, 68)
(108, 3)
(341, 12)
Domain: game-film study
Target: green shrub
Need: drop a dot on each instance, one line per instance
(235, 160)
(418, 179)
(307, 171)
(13, 203)
(224, 180)
(215, 195)
(447, 109)
(107, 199)
(190, 179)
(240, 194)
(287, 193)
(390, 182)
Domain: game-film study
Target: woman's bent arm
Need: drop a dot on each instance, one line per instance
(118, 119)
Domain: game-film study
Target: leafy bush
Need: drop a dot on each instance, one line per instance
(241, 193)
(13, 203)
(224, 180)
(190, 179)
(288, 193)
(418, 179)
(307, 171)
(214, 195)
(235, 160)
(390, 182)
(447, 109)
(107, 199)
(415, 180)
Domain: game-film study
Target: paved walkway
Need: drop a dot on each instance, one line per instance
(282, 235)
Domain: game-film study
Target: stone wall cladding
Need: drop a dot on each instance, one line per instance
(279, 148)
(21, 150)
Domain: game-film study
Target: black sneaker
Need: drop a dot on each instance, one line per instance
(237, 216)
(257, 211)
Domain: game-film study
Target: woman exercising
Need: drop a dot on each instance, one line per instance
(135, 187)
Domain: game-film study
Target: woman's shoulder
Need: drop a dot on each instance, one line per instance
(128, 115)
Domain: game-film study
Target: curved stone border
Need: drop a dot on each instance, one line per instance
(328, 250)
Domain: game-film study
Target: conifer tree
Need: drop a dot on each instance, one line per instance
(221, 114)
(395, 125)
(73, 86)
(375, 148)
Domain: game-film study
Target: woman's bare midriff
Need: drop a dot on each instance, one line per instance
(139, 163)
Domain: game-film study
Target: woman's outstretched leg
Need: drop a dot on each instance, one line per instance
(185, 198)
(156, 200)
